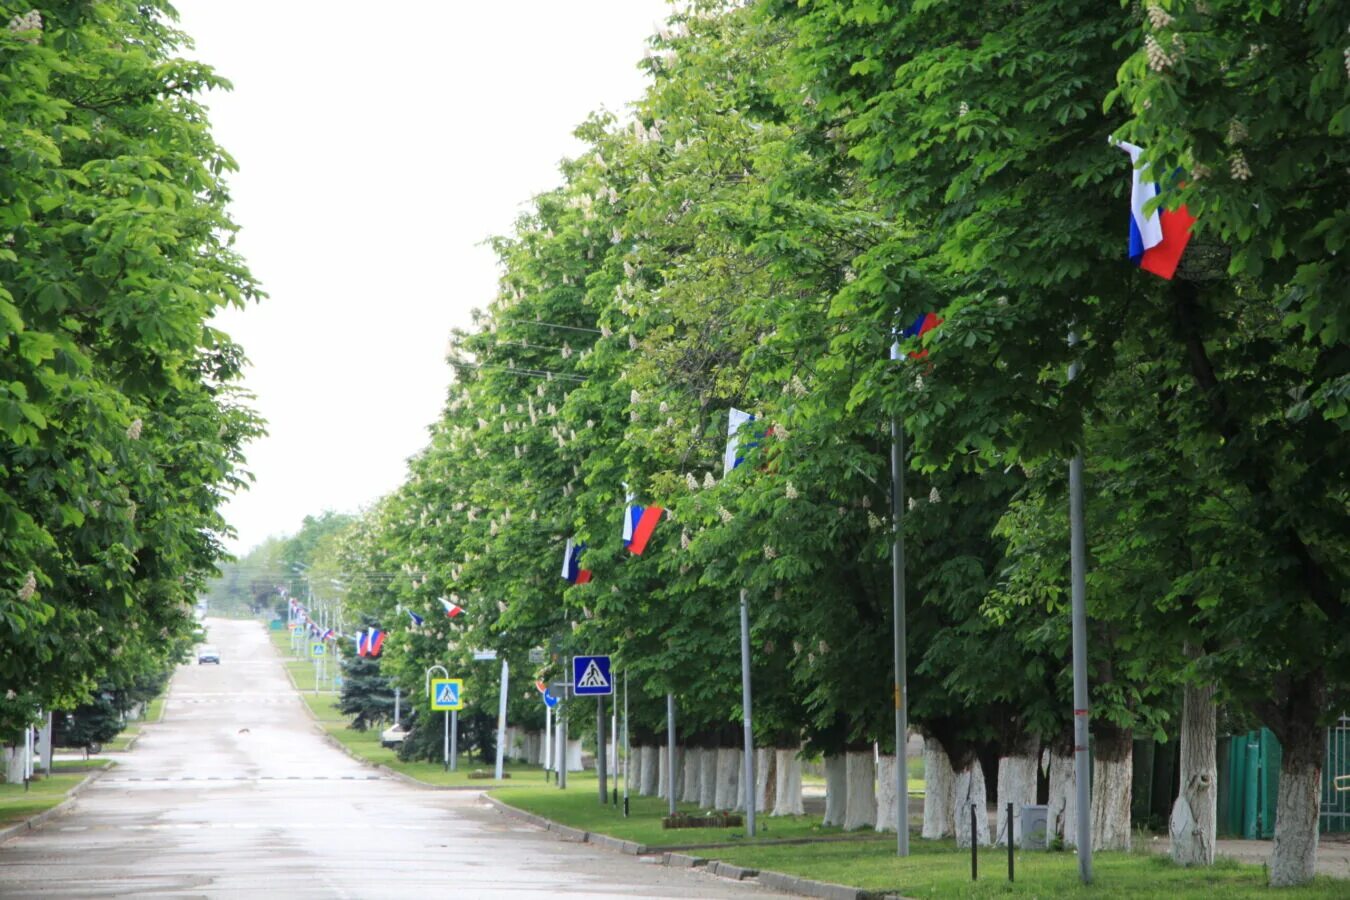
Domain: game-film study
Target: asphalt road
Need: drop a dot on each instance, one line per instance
(236, 794)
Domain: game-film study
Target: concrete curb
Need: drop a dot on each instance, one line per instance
(61, 808)
(778, 881)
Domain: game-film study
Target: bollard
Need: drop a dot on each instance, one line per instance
(974, 847)
(1010, 841)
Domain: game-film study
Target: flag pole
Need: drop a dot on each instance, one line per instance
(899, 688)
(748, 769)
(1078, 578)
(670, 753)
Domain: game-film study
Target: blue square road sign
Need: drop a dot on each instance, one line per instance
(591, 676)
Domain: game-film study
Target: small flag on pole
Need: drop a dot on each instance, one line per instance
(451, 609)
(375, 643)
(572, 571)
(1157, 239)
(918, 328)
(415, 619)
(638, 524)
(735, 419)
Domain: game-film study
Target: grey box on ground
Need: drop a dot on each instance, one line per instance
(1035, 827)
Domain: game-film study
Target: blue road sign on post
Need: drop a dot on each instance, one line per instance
(316, 649)
(447, 694)
(590, 676)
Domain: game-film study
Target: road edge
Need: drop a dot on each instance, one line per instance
(33, 822)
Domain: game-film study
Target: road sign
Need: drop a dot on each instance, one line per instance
(447, 693)
(551, 701)
(316, 649)
(481, 655)
(590, 676)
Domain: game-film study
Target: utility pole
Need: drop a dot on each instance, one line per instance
(1082, 761)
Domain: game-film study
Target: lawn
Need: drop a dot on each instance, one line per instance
(579, 807)
(937, 869)
(16, 804)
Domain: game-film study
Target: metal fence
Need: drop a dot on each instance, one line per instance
(1336, 779)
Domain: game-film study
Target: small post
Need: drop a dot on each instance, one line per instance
(600, 748)
(670, 753)
(974, 847)
(445, 743)
(548, 740)
(454, 739)
(1011, 831)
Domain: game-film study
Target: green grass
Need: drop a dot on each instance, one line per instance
(579, 807)
(155, 711)
(937, 869)
(16, 804)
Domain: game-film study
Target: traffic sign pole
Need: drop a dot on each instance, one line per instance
(670, 752)
(600, 749)
(501, 722)
(748, 770)
(454, 739)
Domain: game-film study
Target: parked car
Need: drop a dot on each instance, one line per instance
(392, 737)
(208, 655)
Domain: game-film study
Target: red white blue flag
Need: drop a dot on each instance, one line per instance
(1157, 238)
(638, 524)
(572, 571)
(918, 328)
(451, 609)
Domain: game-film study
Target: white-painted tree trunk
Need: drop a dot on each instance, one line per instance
(1016, 785)
(1294, 855)
(635, 769)
(693, 767)
(888, 806)
(1112, 774)
(662, 771)
(1195, 813)
(13, 764)
(650, 770)
(939, 782)
(765, 781)
(574, 756)
(788, 790)
(836, 789)
(970, 791)
(44, 747)
(664, 775)
(707, 778)
(728, 777)
(1062, 804)
(860, 774)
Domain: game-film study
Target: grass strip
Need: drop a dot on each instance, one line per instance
(16, 804)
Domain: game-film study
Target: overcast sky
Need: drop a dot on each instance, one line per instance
(378, 145)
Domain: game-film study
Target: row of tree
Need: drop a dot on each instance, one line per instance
(120, 422)
(799, 182)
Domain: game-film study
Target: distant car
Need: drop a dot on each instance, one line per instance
(208, 655)
(392, 737)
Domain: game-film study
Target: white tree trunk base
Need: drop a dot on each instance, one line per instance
(707, 779)
(1111, 782)
(1293, 859)
(650, 770)
(970, 791)
(788, 790)
(693, 764)
(1016, 785)
(1194, 821)
(888, 802)
(939, 782)
(728, 777)
(662, 771)
(765, 780)
(860, 774)
(1061, 819)
(836, 789)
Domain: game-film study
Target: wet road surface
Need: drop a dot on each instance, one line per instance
(236, 794)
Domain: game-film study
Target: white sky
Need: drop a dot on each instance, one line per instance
(379, 144)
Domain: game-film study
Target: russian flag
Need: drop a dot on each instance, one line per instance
(918, 328)
(361, 643)
(572, 571)
(1157, 239)
(451, 609)
(416, 619)
(375, 643)
(638, 524)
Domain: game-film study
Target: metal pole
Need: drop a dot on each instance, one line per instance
(600, 749)
(1078, 576)
(501, 722)
(900, 687)
(614, 748)
(454, 740)
(627, 750)
(748, 770)
(445, 743)
(974, 847)
(670, 753)
(1010, 842)
(397, 706)
(562, 754)
(548, 741)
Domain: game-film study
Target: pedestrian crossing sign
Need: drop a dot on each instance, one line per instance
(590, 676)
(316, 649)
(447, 694)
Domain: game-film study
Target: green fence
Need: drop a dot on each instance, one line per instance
(1249, 782)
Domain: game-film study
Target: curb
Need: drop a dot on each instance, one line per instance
(61, 808)
(779, 881)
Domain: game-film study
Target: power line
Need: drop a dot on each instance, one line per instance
(552, 325)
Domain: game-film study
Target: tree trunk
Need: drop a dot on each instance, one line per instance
(1061, 818)
(651, 755)
(662, 770)
(860, 773)
(766, 782)
(1294, 856)
(1016, 785)
(970, 790)
(12, 758)
(888, 806)
(728, 777)
(1112, 776)
(836, 789)
(707, 778)
(693, 764)
(1195, 813)
(574, 756)
(939, 782)
(788, 788)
